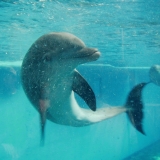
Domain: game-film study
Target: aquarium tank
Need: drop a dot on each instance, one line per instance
(80, 79)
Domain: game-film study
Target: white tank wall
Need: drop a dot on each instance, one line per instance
(112, 139)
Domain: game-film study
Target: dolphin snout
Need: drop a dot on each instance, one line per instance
(86, 52)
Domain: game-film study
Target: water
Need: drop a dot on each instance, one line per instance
(121, 30)
(126, 32)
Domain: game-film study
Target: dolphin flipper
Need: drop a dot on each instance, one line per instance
(83, 89)
(44, 104)
(134, 102)
(42, 110)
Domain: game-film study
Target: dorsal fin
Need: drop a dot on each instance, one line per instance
(83, 89)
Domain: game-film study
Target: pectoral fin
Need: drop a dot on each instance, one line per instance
(83, 89)
(44, 104)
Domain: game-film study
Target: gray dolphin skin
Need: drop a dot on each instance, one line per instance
(154, 74)
(49, 79)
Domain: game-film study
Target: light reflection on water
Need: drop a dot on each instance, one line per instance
(119, 29)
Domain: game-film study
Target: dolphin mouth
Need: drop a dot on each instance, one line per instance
(97, 53)
(84, 53)
(87, 52)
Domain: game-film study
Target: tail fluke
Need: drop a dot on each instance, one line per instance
(135, 105)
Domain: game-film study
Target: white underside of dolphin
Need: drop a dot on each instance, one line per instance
(70, 113)
(49, 80)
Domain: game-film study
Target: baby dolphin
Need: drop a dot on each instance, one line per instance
(49, 79)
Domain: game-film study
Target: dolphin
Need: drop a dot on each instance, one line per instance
(49, 79)
(154, 74)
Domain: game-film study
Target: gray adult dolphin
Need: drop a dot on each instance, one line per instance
(49, 79)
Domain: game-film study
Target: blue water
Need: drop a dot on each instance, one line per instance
(124, 31)
(127, 33)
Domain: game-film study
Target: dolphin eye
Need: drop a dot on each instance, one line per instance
(47, 57)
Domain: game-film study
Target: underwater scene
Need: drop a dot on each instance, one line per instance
(79, 80)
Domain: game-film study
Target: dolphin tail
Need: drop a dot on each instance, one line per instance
(135, 105)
